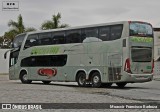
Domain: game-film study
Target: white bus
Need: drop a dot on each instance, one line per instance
(102, 54)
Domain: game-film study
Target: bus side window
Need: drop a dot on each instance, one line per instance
(73, 36)
(32, 40)
(45, 39)
(104, 33)
(116, 32)
(83, 35)
(91, 33)
(58, 38)
(43, 61)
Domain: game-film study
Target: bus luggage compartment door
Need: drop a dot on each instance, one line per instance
(114, 66)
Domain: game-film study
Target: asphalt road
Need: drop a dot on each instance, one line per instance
(62, 92)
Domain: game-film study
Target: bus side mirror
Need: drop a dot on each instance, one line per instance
(5, 54)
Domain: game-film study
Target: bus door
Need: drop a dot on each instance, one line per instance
(12, 64)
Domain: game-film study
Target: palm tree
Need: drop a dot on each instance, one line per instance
(1, 41)
(18, 27)
(54, 23)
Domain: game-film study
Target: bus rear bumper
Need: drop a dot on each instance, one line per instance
(137, 78)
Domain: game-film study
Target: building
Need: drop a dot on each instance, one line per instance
(157, 51)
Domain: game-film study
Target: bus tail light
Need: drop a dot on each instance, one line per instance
(152, 65)
(127, 66)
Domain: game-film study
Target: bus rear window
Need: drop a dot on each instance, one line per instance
(141, 54)
(141, 29)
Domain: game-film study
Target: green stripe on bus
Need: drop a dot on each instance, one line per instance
(45, 50)
(142, 39)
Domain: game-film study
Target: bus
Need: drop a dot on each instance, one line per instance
(95, 55)
(156, 51)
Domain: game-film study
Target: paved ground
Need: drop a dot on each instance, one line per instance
(15, 92)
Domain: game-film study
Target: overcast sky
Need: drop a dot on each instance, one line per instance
(82, 12)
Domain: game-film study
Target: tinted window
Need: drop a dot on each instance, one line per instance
(104, 33)
(32, 40)
(91, 32)
(83, 35)
(116, 32)
(38, 61)
(141, 54)
(17, 42)
(58, 38)
(73, 36)
(45, 39)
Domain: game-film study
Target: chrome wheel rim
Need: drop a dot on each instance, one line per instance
(81, 80)
(96, 79)
(25, 77)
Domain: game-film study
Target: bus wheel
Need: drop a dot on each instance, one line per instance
(23, 78)
(96, 80)
(46, 82)
(121, 84)
(81, 79)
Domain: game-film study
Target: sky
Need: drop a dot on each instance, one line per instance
(81, 12)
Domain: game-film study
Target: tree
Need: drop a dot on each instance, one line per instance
(1, 42)
(16, 28)
(9, 36)
(54, 23)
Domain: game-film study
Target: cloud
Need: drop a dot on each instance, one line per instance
(82, 12)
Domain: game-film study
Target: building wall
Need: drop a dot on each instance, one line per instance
(156, 45)
(157, 51)
(4, 63)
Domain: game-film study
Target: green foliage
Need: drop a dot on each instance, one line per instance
(16, 28)
(1, 41)
(54, 23)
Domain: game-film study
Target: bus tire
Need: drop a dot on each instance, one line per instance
(96, 79)
(81, 79)
(121, 84)
(23, 78)
(46, 82)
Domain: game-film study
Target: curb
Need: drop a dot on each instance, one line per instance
(156, 79)
(4, 74)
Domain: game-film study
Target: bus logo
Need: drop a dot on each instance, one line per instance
(47, 72)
